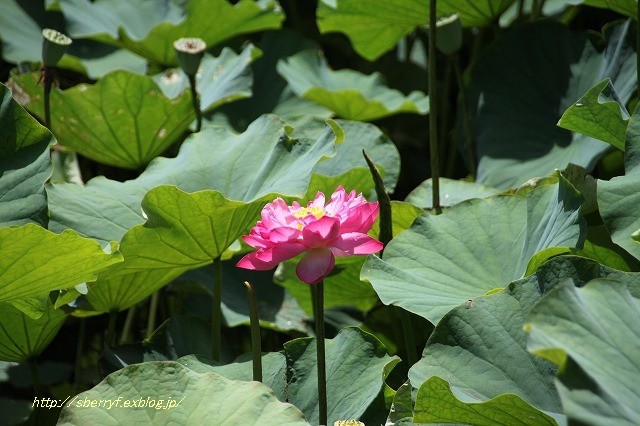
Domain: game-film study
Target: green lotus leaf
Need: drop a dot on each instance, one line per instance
(123, 120)
(618, 198)
(357, 364)
(25, 164)
(200, 398)
(373, 27)
(522, 84)
(23, 338)
(350, 94)
(149, 30)
(480, 346)
(473, 247)
(35, 261)
(435, 403)
(598, 114)
(451, 192)
(220, 80)
(274, 370)
(591, 333)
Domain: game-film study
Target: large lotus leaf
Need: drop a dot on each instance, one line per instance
(350, 94)
(618, 198)
(357, 137)
(480, 346)
(277, 309)
(598, 114)
(219, 80)
(522, 84)
(195, 398)
(151, 34)
(357, 364)
(274, 370)
(215, 158)
(472, 248)
(21, 26)
(123, 120)
(373, 27)
(592, 333)
(35, 261)
(279, 164)
(23, 338)
(436, 403)
(185, 231)
(25, 164)
(451, 192)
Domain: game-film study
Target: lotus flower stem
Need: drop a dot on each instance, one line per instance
(409, 338)
(48, 74)
(256, 348)
(35, 377)
(196, 102)
(111, 329)
(128, 323)
(153, 310)
(638, 48)
(433, 109)
(318, 311)
(79, 347)
(216, 314)
(466, 120)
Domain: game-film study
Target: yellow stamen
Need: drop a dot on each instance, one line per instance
(317, 212)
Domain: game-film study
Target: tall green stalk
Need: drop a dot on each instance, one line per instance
(111, 329)
(216, 312)
(128, 324)
(195, 99)
(256, 346)
(638, 48)
(48, 76)
(79, 347)
(433, 110)
(153, 311)
(320, 352)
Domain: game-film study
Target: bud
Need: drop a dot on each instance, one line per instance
(348, 423)
(54, 46)
(189, 52)
(449, 34)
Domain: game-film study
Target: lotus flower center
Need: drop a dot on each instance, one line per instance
(317, 212)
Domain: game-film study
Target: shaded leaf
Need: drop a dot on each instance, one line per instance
(598, 114)
(357, 364)
(23, 338)
(591, 333)
(25, 165)
(521, 85)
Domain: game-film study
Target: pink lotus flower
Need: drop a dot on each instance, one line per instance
(322, 232)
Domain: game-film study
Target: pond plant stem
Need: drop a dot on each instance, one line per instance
(79, 347)
(216, 313)
(111, 329)
(128, 323)
(638, 49)
(48, 76)
(153, 311)
(320, 352)
(433, 110)
(196, 101)
(256, 346)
